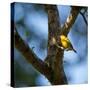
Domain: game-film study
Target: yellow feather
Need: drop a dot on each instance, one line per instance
(66, 44)
(64, 38)
(64, 41)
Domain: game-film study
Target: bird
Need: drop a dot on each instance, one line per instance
(66, 44)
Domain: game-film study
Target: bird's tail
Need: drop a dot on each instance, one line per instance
(74, 50)
(71, 48)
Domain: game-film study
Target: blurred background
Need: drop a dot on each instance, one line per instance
(32, 25)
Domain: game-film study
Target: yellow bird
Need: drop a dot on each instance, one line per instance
(66, 44)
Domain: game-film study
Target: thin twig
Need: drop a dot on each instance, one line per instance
(84, 18)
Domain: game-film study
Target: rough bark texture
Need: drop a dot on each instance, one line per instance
(55, 55)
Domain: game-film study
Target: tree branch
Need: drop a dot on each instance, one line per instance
(53, 27)
(70, 20)
(30, 56)
(55, 55)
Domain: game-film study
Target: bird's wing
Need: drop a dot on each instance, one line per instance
(65, 44)
(66, 39)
